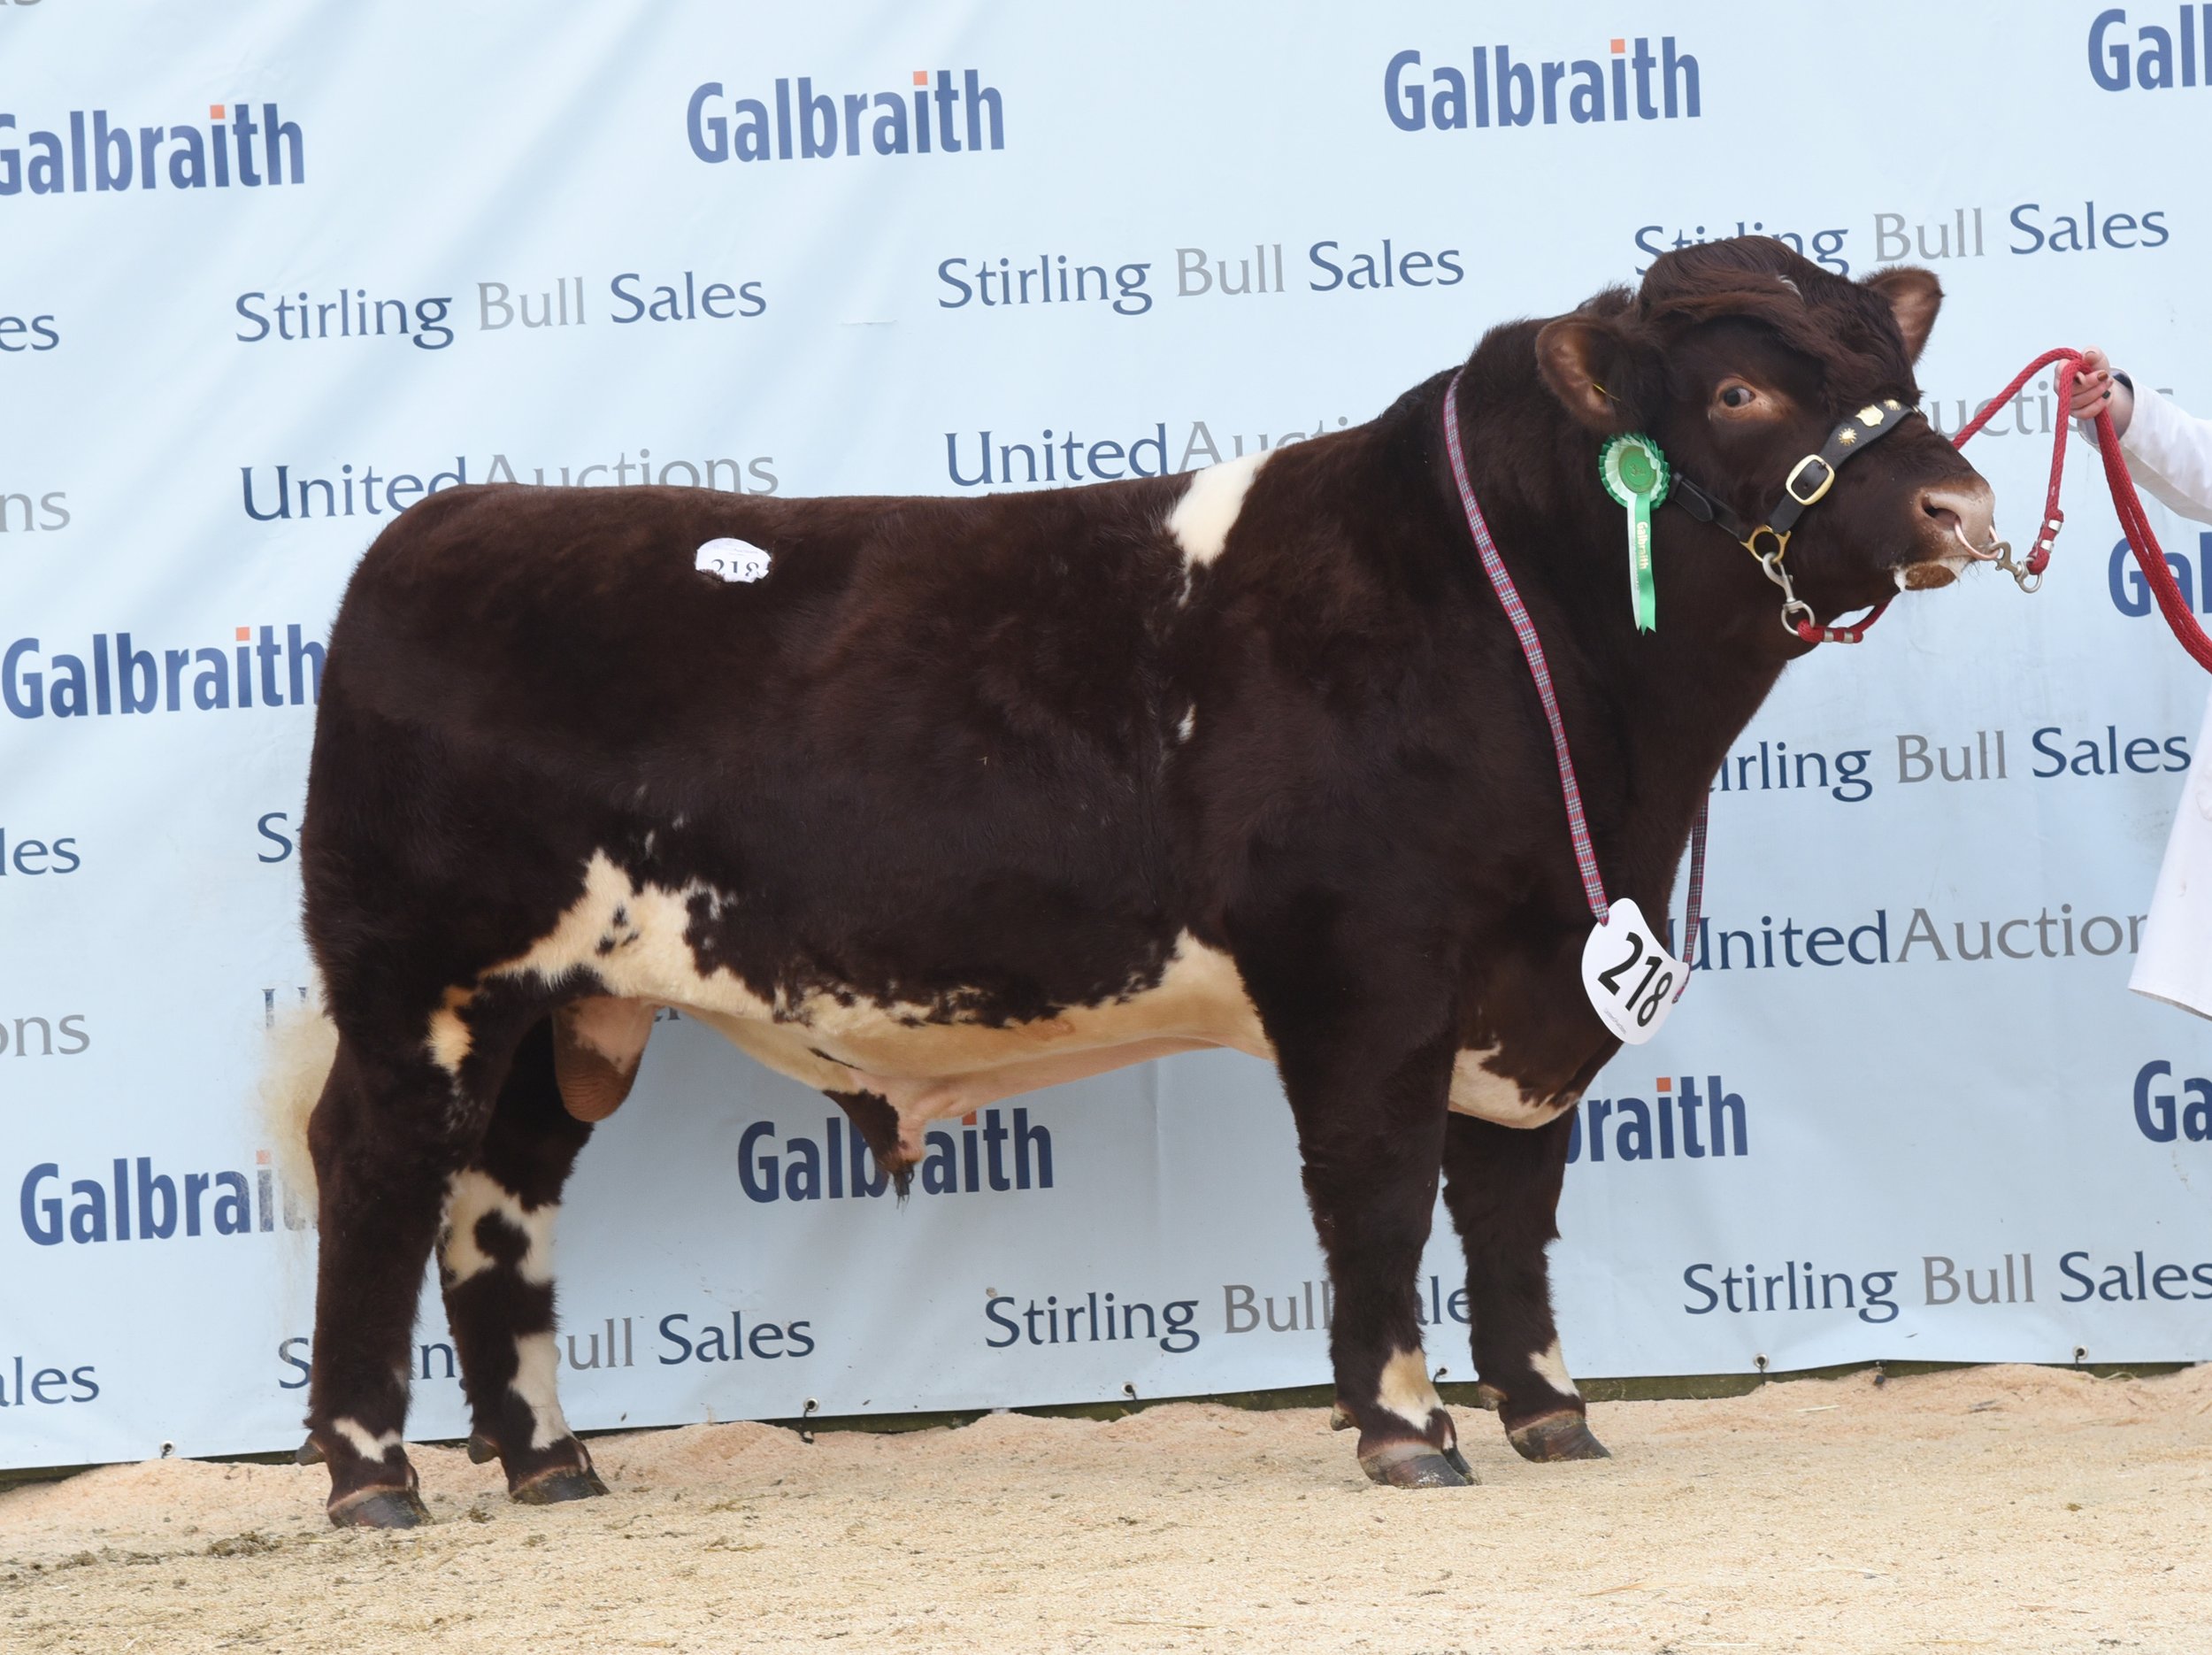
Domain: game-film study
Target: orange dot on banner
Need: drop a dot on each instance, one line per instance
(1664, 1084)
(215, 112)
(245, 635)
(968, 1119)
(921, 77)
(1620, 45)
(261, 1157)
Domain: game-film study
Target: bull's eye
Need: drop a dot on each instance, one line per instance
(1736, 393)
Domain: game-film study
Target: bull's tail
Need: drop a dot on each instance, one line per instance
(301, 1047)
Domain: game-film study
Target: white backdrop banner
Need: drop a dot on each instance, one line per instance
(271, 274)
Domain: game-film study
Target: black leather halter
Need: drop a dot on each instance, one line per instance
(1808, 483)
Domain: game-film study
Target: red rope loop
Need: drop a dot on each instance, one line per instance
(2149, 556)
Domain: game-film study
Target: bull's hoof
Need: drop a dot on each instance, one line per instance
(1489, 1397)
(558, 1486)
(482, 1450)
(1341, 1418)
(310, 1453)
(380, 1508)
(1459, 1462)
(1416, 1466)
(1557, 1436)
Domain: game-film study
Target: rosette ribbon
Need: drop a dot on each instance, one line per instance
(1636, 474)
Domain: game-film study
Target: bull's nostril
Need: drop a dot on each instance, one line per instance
(1960, 514)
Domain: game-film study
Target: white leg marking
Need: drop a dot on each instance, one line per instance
(358, 1439)
(469, 1195)
(1551, 1368)
(537, 1363)
(1201, 519)
(1479, 1091)
(1405, 1390)
(1188, 723)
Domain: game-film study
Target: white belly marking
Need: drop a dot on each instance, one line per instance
(926, 1064)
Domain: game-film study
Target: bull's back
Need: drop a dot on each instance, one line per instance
(583, 610)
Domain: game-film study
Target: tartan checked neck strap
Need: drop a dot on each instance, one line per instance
(1533, 651)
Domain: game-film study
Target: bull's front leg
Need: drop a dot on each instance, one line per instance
(1501, 1185)
(1370, 1105)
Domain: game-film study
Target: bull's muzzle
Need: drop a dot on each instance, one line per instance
(1958, 529)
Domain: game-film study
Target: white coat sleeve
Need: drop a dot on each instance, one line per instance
(2169, 454)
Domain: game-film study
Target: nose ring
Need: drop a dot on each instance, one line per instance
(1998, 549)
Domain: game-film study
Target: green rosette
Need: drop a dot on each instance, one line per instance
(1636, 474)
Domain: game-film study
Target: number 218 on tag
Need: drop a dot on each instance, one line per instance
(1629, 975)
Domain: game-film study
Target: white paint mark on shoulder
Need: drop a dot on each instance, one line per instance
(1551, 1367)
(358, 1439)
(731, 559)
(1188, 723)
(537, 1365)
(470, 1196)
(1201, 518)
(1405, 1391)
(1479, 1091)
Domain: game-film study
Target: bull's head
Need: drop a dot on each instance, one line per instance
(1741, 358)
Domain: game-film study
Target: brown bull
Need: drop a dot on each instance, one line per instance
(961, 798)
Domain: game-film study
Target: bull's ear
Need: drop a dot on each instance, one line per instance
(1586, 364)
(1915, 296)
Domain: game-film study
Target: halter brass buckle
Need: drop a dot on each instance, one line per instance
(1789, 483)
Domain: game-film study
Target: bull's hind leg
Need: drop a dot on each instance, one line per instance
(388, 1131)
(1501, 1184)
(496, 1259)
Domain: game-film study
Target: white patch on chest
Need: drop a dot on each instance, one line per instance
(632, 937)
(730, 560)
(1201, 518)
(1479, 1091)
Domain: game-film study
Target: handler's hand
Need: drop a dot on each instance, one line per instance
(2095, 390)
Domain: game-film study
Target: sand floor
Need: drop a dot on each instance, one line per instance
(2004, 1508)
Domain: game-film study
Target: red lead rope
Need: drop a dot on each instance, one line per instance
(2125, 501)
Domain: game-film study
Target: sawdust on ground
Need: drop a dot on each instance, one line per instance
(2008, 1509)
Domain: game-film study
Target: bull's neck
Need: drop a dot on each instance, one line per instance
(1676, 697)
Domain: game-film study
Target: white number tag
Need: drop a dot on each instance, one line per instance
(1629, 976)
(732, 561)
